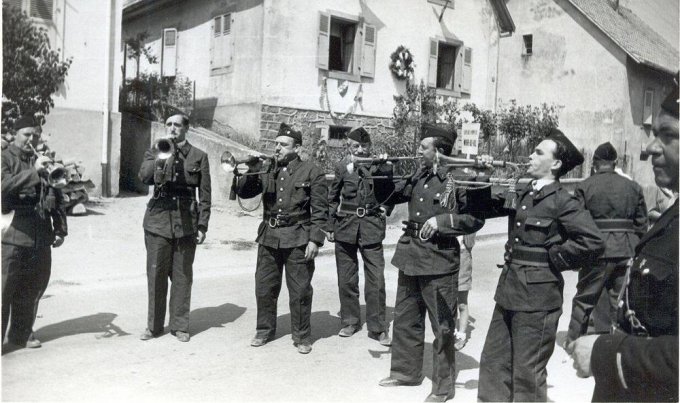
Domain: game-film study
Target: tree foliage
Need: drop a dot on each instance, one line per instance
(32, 71)
(136, 48)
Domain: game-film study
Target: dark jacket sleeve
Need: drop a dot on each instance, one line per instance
(384, 187)
(204, 194)
(463, 220)
(402, 191)
(12, 185)
(334, 194)
(318, 206)
(58, 215)
(146, 171)
(249, 186)
(641, 220)
(639, 365)
(494, 206)
(584, 241)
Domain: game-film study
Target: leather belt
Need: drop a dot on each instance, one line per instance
(615, 225)
(530, 256)
(286, 220)
(359, 211)
(413, 228)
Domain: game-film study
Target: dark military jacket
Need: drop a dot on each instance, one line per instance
(635, 368)
(441, 254)
(297, 196)
(549, 232)
(618, 207)
(350, 191)
(173, 211)
(22, 188)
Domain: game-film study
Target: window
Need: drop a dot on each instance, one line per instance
(42, 9)
(169, 55)
(338, 132)
(222, 44)
(450, 68)
(528, 45)
(647, 108)
(346, 47)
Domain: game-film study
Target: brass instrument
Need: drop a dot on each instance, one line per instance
(444, 160)
(165, 147)
(230, 163)
(378, 160)
(56, 173)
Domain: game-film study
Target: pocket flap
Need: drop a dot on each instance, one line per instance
(194, 167)
(540, 276)
(302, 184)
(539, 222)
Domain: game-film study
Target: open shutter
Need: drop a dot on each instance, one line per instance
(169, 55)
(467, 70)
(368, 51)
(227, 40)
(323, 37)
(647, 111)
(458, 69)
(432, 70)
(216, 60)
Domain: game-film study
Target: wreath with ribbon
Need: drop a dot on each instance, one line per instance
(402, 64)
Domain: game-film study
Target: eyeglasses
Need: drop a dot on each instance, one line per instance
(171, 124)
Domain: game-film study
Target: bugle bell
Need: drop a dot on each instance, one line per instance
(56, 173)
(230, 164)
(165, 147)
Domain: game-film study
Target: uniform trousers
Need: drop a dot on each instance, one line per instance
(592, 281)
(437, 295)
(169, 258)
(516, 351)
(268, 279)
(25, 275)
(374, 284)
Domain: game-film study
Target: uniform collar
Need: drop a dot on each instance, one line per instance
(184, 147)
(545, 190)
(539, 184)
(18, 152)
(605, 171)
(292, 164)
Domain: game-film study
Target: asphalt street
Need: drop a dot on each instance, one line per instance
(95, 308)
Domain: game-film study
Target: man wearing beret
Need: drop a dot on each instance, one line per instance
(295, 204)
(618, 207)
(549, 232)
(639, 361)
(427, 257)
(174, 223)
(357, 216)
(39, 223)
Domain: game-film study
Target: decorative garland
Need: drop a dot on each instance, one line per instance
(402, 64)
(357, 99)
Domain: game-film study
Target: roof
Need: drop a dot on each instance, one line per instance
(631, 34)
(505, 22)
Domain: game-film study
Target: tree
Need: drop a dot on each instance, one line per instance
(32, 71)
(136, 50)
(524, 126)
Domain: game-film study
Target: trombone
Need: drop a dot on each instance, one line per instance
(230, 164)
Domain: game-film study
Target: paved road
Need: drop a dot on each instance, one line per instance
(95, 308)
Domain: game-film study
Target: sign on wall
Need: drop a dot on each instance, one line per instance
(470, 138)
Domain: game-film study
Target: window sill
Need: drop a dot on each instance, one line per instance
(341, 75)
(447, 92)
(221, 71)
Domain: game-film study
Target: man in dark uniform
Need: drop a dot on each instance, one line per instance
(549, 232)
(39, 223)
(618, 207)
(357, 213)
(427, 257)
(174, 223)
(639, 360)
(295, 201)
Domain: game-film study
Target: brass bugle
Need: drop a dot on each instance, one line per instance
(56, 173)
(230, 164)
(444, 160)
(165, 147)
(378, 160)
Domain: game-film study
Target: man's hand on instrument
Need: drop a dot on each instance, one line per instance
(581, 352)
(311, 251)
(429, 228)
(200, 237)
(330, 235)
(485, 160)
(58, 241)
(41, 163)
(254, 164)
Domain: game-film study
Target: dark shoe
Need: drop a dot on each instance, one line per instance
(147, 335)
(182, 336)
(382, 337)
(258, 341)
(304, 347)
(348, 330)
(389, 382)
(438, 398)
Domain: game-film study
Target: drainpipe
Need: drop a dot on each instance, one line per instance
(106, 106)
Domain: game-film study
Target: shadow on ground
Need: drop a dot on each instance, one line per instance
(202, 319)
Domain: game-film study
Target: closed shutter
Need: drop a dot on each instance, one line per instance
(368, 51)
(458, 70)
(227, 40)
(323, 38)
(41, 9)
(217, 54)
(467, 70)
(169, 55)
(432, 70)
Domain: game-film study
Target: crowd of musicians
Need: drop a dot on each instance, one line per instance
(623, 328)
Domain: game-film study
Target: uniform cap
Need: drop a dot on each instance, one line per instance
(429, 130)
(359, 134)
(573, 157)
(285, 130)
(605, 152)
(27, 120)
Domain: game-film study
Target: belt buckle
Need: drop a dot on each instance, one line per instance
(361, 212)
(163, 194)
(273, 222)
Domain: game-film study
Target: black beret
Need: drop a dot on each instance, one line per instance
(429, 130)
(605, 152)
(285, 130)
(670, 104)
(573, 157)
(359, 134)
(27, 120)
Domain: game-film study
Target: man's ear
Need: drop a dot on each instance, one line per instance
(556, 165)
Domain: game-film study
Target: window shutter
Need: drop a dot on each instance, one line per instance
(467, 70)
(323, 38)
(41, 9)
(227, 40)
(458, 70)
(432, 71)
(217, 54)
(368, 51)
(647, 108)
(169, 55)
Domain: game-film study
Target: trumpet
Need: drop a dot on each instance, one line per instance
(165, 147)
(444, 160)
(56, 173)
(378, 160)
(230, 164)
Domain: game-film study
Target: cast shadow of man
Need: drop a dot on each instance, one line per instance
(203, 319)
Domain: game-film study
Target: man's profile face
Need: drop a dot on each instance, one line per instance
(175, 128)
(27, 137)
(664, 151)
(427, 152)
(286, 149)
(542, 161)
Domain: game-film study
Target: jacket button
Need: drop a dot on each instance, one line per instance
(519, 224)
(174, 198)
(645, 271)
(531, 193)
(437, 195)
(280, 200)
(524, 207)
(421, 199)
(516, 239)
(538, 223)
(280, 210)
(281, 189)
(418, 213)
(425, 186)
(282, 178)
